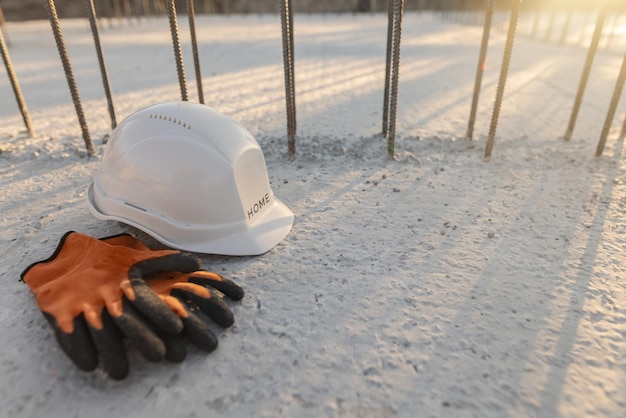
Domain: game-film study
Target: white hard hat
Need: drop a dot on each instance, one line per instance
(192, 178)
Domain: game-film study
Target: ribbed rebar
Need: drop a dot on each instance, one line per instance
(69, 75)
(292, 69)
(504, 70)
(286, 16)
(591, 53)
(617, 93)
(91, 13)
(482, 55)
(191, 13)
(385, 128)
(4, 51)
(395, 76)
(622, 135)
(178, 53)
(3, 28)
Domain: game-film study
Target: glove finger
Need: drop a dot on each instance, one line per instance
(175, 350)
(109, 343)
(195, 327)
(141, 336)
(152, 307)
(198, 331)
(184, 263)
(226, 286)
(210, 304)
(77, 345)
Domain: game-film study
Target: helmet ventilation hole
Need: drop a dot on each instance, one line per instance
(171, 119)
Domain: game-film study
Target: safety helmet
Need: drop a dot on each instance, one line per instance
(192, 178)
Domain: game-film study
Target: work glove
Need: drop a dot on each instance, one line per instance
(187, 294)
(93, 295)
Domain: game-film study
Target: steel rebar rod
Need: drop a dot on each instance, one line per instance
(91, 12)
(395, 76)
(504, 70)
(617, 93)
(69, 75)
(480, 68)
(292, 69)
(385, 128)
(178, 53)
(593, 47)
(622, 134)
(191, 13)
(19, 97)
(3, 28)
(286, 15)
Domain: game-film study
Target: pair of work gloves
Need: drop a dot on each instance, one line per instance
(98, 294)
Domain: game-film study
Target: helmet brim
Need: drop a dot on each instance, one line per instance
(270, 229)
